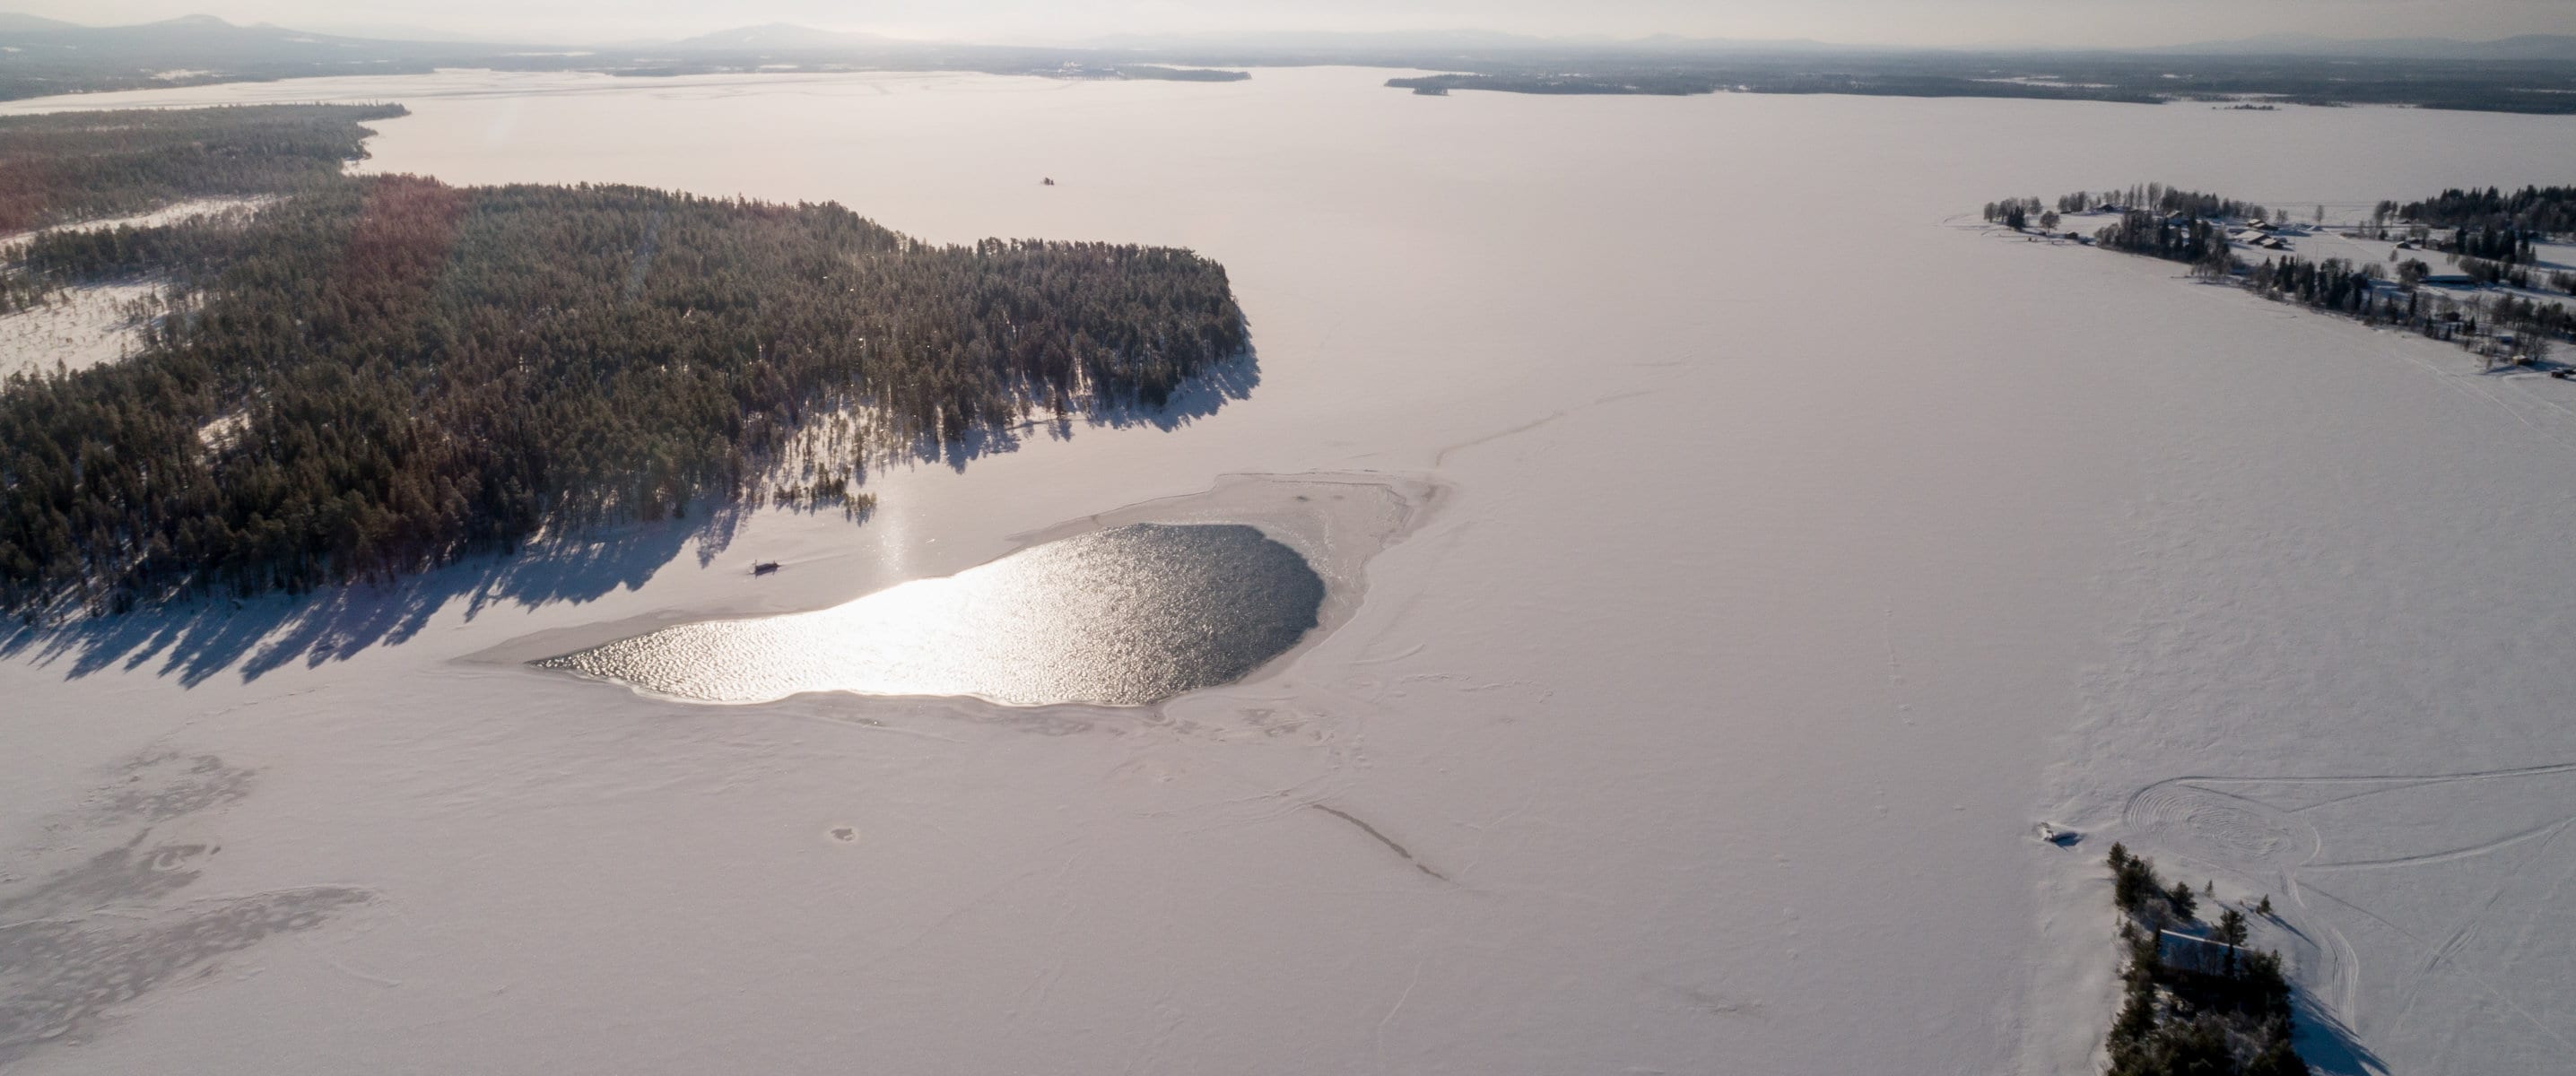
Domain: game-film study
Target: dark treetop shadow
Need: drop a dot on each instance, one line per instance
(196, 639)
(1198, 396)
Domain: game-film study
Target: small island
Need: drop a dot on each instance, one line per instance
(1652, 83)
(2197, 997)
(2496, 292)
(376, 375)
(1161, 73)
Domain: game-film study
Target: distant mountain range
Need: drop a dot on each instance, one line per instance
(2524, 47)
(780, 36)
(198, 39)
(2556, 47)
(11, 22)
(1462, 41)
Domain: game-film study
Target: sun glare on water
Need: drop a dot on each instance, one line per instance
(1120, 617)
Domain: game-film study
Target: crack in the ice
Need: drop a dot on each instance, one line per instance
(1381, 838)
(1442, 457)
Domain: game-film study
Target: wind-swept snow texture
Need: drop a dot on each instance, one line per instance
(1791, 554)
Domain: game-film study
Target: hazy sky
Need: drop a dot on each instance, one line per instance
(1929, 22)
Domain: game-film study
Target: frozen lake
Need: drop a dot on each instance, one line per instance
(1753, 553)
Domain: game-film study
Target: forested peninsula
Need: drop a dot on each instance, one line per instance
(378, 375)
(2464, 266)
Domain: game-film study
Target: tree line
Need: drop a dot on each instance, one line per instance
(2192, 227)
(2506, 328)
(2160, 199)
(2202, 243)
(2155, 219)
(379, 375)
(2547, 210)
(2508, 244)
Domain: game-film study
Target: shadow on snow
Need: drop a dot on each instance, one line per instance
(2329, 1048)
(1195, 398)
(199, 638)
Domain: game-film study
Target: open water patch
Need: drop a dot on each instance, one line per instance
(1124, 616)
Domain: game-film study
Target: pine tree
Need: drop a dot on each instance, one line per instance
(2129, 1031)
(2277, 1058)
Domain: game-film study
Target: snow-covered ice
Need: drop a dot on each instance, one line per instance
(1794, 555)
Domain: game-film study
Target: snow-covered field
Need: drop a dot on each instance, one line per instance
(1698, 723)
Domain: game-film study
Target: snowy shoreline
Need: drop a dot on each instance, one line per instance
(1338, 522)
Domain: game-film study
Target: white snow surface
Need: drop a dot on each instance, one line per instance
(76, 328)
(93, 324)
(1797, 549)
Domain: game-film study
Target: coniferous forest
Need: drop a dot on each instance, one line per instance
(377, 375)
(62, 166)
(2531, 209)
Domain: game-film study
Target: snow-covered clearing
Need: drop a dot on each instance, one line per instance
(1702, 726)
(174, 213)
(98, 323)
(75, 329)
